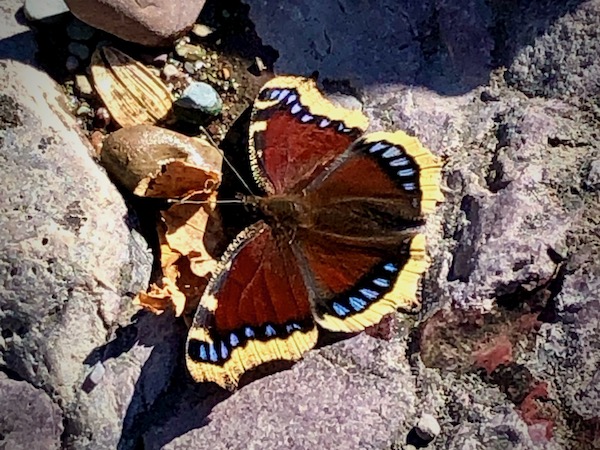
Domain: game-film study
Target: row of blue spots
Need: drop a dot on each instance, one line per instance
(220, 351)
(289, 98)
(396, 157)
(358, 301)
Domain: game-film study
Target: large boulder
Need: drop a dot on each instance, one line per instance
(153, 23)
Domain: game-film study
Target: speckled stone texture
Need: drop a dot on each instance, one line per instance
(505, 352)
(70, 258)
(152, 23)
(29, 419)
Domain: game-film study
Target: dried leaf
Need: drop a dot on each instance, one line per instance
(189, 236)
(132, 93)
(178, 179)
(191, 229)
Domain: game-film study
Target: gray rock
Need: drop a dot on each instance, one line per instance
(553, 57)
(71, 259)
(83, 85)
(72, 63)
(518, 228)
(156, 23)
(357, 394)
(44, 10)
(201, 97)
(29, 419)
(443, 45)
(427, 427)
(80, 31)
(80, 50)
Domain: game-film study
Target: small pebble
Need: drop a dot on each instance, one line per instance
(83, 85)
(160, 60)
(47, 11)
(260, 64)
(428, 427)
(225, 73)
(97, 138)
(190, 52)
(202, 97)
(80, 31)
(202, 30)
(80, 50)
(94, 377)
(170, 71)
(189, 67)
(72, 63)
(593, 179)
(84, 110)
(102, 117)
(96, 374)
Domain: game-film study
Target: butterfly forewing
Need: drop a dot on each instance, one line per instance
(296, 132)
(255, 310)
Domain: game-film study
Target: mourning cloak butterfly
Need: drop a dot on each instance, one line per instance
(339, 244)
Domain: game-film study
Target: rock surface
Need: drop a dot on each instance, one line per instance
(44, 10)
(29, 419)
(71, 257)
(152, 23)
(506, 350)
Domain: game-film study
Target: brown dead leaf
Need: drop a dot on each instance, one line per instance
(189, 235)
(178, 179)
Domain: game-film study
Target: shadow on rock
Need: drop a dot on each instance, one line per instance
(449, 47)
(164, 398)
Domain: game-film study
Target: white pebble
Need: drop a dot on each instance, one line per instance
(428, 427)
(96, 374)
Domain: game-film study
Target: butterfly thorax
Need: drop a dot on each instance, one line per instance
(283, 213)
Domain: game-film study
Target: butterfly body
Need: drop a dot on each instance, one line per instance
(339, 242)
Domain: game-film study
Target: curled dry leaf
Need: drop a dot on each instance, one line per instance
(131, 93)
(189, 237)
(155, 162)
(189, 233)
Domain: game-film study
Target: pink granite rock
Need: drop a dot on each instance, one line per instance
(153, 23)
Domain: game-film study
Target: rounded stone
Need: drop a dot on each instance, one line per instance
(155, 23)
(80, 50)
(427, 427)
(80, 31)
(72, 63)
(44, 10)
(170, 71)
(201, 97)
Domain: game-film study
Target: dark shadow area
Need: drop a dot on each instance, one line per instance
(449, 47)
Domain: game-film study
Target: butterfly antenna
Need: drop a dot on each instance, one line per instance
(185, 201)
(233, 169)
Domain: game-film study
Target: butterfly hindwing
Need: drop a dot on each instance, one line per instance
(254, 310)
(354, 288)
(364, 254)
(296, 132)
